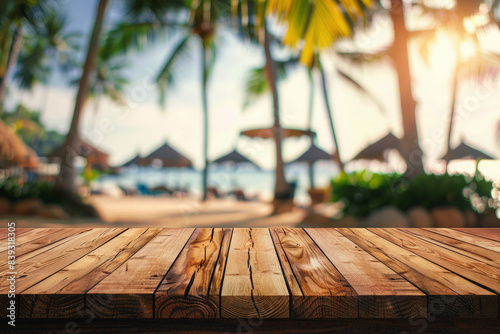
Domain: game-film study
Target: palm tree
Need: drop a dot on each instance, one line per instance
(15, 16)
(149, 19)
(47, 49)
(59, 47)
(455, 21)
(410, 149)
(65, 183)
(31, 67)
(314, 24)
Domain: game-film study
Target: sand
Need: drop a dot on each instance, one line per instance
(174, 213)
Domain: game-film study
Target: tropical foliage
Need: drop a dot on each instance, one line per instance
(363, 192)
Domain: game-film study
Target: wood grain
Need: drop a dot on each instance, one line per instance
(448, 292)
(128, 292)
(41, 240)
(185, 290)
(476, 271)
(62, 294)
(30, 235)
(4, 232)
(36, 266)
(325, 292)
(488, 233)
(490, 257)
(466, 237)
(382, 293)
(253, 285)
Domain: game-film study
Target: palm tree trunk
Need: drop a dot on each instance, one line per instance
(65, 182)
(204, 64)
(11, 60)
(411, 151)
(453, 100)
(280, 186)
(309, 123)
(336, 155)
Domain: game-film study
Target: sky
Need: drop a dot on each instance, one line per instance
(143, 125)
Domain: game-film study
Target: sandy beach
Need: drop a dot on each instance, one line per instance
(174, 213)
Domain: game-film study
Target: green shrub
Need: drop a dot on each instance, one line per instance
(12, 189)
(364, 192)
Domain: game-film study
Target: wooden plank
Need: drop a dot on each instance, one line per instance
(466, 237)
(39, 264)
(479, 253)
(185, 291)
(325, 292)
(382, 293)
(62, 294)
(4, 232)
(33, 269)
(254, 286)
(128, 292)
(476, 271)
(452, 295)
(44, 240)
(30, 236)
(292, 283)
(489, 233)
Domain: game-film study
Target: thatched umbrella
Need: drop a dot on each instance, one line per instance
(376, 150)
(312, 155)
(235, 158)
(268, 133)
(168, 156)
(464, 151)
(13, 151)
(95, 158)
(135, 161)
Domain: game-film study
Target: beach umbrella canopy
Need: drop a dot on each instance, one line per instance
(312, 155)
(234, 157)
(375, 151)
(464, 151)
(168, 156)
(13, 151)
(137, 160)
(267, 133)
(95, 157)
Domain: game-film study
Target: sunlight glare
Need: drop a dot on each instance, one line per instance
(468, 48)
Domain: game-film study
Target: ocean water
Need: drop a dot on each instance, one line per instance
(260, 183)
(252, 181)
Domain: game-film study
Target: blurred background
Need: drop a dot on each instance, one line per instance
(344, 113)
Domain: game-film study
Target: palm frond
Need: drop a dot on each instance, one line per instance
(166, 76)
(362, 89)
(257, 85)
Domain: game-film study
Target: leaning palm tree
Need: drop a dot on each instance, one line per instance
(65, 182)
(150, 19)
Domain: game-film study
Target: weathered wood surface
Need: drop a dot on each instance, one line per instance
(254, 273)
(254, 286)
(382, 293)
(325, 292)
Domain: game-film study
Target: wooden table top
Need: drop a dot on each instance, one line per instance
(254, 273)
